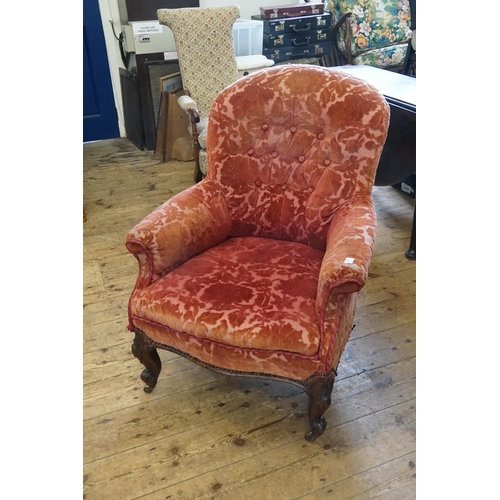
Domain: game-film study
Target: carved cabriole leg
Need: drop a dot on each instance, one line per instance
(148, 356)
(319, 391)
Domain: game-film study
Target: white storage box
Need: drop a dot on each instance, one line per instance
(248, 35)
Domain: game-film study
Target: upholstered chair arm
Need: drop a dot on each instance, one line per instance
(198, 129)
(189, 106)
(340, 22)
(349, 248)
(186, 225)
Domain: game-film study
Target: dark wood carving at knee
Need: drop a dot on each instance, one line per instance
(148, 356)
(319, 391)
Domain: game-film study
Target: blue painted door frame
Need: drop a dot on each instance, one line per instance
(100, 119)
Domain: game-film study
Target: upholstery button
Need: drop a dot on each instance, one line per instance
(327, 162)
(258, 183)
(250, 152)
(265, 126)
(293, 130)
(310, 190)
(274, 154)
(321, 136)
(302, 158)
(284, 186)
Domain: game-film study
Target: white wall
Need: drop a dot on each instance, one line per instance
(110, 16)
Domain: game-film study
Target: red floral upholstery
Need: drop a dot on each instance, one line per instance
(255, 269)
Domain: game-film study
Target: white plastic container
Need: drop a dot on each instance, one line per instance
(248, 35)
(250, 64)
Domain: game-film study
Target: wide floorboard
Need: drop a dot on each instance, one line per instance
(201, 435)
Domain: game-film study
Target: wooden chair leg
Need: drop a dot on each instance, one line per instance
(197, 170)
(148, 356)
(411, 253)
(319, 391)
(196, 146)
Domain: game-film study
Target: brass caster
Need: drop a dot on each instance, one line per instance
(317, 428)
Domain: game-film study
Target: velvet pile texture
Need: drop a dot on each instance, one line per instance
(257, 267)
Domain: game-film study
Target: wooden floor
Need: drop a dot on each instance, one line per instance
(207, 436)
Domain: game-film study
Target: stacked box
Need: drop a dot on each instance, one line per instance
(294, 10)
(291, 37)
(247, 37)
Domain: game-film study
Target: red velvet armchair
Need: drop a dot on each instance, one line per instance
(255, 270)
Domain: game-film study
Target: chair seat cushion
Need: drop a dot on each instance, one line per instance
(384, 57)
(202, 127)
(248, 292)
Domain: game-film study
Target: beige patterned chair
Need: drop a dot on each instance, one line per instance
(205, 49)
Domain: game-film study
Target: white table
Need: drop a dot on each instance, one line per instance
(394, 86)
(398, 159)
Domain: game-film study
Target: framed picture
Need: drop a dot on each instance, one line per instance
(169, 82)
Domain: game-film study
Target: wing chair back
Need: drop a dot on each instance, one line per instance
(205, 48)
(287, 144)
(376, 32)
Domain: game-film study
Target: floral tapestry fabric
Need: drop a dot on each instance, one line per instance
(384, 57)
(380, 30)
(204, 43)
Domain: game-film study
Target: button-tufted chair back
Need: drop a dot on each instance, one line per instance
(291, 144)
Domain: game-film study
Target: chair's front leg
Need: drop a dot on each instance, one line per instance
(318, 390)
(148, 356)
